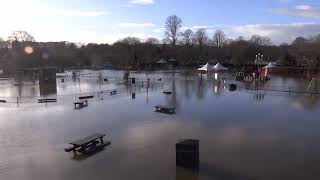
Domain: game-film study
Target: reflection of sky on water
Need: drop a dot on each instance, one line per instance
(243, 134)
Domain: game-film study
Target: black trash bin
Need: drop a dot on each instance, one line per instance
(187, 153)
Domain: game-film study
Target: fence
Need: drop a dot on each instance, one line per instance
(101, 95)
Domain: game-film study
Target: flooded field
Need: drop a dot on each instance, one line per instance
(246, 134)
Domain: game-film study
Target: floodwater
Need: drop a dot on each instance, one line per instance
(244, 135)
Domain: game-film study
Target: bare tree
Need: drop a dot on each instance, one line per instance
(152, 41)
(266, 41)
(299, 41)
(130, 50)
(20, 36)
(172, 26)
(240, 38)
(129, 41)
(219, 38)
(257, 40)
(187, 37)
(201, 37)
(2, 43)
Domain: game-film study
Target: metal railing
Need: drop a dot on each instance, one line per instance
(138, 88)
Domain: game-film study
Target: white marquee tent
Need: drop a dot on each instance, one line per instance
(270, 65)
(206, 68)
(219, 67)
(162, 61)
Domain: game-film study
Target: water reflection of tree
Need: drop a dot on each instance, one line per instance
(172, 99)
(201, 88)
(186, 85)
(259, 95)
(305, 101)
(217, 88)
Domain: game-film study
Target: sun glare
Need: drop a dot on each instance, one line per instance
(28, 50)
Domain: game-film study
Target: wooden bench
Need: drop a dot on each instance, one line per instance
(85, 97)
(167, 92)
(114, 92)
(80, 104)
(47, 100)
(165, 109)
(88, 144)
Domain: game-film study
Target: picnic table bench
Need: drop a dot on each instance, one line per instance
(114, 92)
(85, 97)
(88, 144)
(80, 104)
(167, 92)
(165, 109)
(47, 100)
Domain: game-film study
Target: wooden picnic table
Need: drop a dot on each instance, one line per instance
(47, 100)
(80, 104)
(88, 144)
(167, 92)
(86, 97)
(114, 92)
(166, 109)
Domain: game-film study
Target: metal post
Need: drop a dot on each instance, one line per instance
(289, 91)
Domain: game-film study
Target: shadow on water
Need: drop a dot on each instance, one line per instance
(82, 157)
(214, 172)
(186, 174)
(208, 171)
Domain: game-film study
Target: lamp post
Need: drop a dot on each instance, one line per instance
(258, 60)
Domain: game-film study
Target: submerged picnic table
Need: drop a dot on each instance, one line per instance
(166, 109)
(167, 92)
(47, 100)
(113, 92)
(80, 104)
(88, 144)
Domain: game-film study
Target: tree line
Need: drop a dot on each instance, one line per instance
(188, 47)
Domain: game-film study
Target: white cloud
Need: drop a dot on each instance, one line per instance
(37, 10)
(34, 16)
(136, 25)
(279, 33)
(158, 30)
(300, 10)
(303, 7)
(142, 2)
(126, 5)
(72, 12)
(197, 27)
(83, 35)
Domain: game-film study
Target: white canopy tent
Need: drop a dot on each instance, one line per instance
(206, 68)
(270, 65)
(219, 67)
(172, 60)
(162, 61)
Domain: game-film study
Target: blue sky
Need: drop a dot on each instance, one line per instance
(105, 21)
